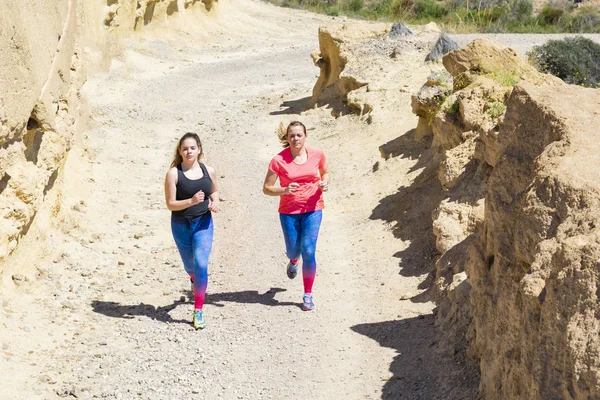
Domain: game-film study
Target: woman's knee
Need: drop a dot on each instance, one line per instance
(201, 261)
(308, 253)
(201, 268)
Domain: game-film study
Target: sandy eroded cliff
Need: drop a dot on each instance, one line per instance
(516, 213)
(47, 50)
(517, 231)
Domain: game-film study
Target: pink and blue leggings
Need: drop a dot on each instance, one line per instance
(194, 238)
(301, 232)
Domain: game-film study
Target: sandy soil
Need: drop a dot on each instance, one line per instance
(103, 308)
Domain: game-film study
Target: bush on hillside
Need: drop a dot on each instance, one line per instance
(430, 9)
(551, 15)
(574, 60)
(355, 5)
(585, 20)
(492, 16)
(400, 8)
(333, 11)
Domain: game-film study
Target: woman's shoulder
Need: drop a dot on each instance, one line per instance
(283, 155)
(315, 151)
(210, 169)
(172, 173)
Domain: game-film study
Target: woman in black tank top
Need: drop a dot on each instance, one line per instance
(192, 196)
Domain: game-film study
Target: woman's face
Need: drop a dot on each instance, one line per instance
(296, 137)
(189, 150)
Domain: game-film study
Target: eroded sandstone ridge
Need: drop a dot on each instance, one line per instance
(517, 230)
(47, 48)
(354, 62)
(515, 219)
(335, 80)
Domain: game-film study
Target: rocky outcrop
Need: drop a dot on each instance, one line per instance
(335, 81)
(351, 58)
(135, 15)
(443, 45)
(39, 105)
(539, 249)
(519, 267)
(40, 101)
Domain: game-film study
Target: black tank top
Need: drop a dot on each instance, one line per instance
(187, 188)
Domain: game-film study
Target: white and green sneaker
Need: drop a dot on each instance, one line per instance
(199, 322)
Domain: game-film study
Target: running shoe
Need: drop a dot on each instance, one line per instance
(199, 322)
(307, 302)
(292, 270)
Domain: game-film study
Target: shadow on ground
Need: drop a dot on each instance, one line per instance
(117, 310)
(293, 106)
(409, 209)
(250, 297)
(420, 370)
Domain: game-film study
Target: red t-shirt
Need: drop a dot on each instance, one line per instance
(309, 196)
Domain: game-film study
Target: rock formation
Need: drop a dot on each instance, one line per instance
(351, 58)
(335, 80)
(39, 106)
(517, 234)
(443, 45)
(400, 29)
(517, 274)
(40, 101)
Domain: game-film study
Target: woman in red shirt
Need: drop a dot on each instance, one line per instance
(303, 177)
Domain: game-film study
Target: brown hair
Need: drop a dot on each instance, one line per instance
(283, 133)
(177, 159)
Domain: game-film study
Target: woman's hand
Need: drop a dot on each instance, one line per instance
(324, 185)
(213, 206)
(291, 188)
(197, 198)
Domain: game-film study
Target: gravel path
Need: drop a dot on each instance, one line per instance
(108, 314)
(114, 300)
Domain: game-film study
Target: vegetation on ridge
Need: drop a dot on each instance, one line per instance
(575, 60)
(502, 16)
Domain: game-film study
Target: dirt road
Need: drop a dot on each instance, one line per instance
(105, 311)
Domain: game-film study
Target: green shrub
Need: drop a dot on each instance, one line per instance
(551, 15)
(333, 11)
(451, 107)
(355, 5)
(462, 16)
(401, 8)
(290, 3)
(378, 9)
(496, 109)
(313, 4)
(520, 10)
(585, 20)
(574, 60)
(506, 78)
(430, 9)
